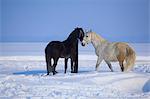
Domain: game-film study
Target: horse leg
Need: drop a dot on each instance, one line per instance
(73, 65)
(66, 61)
(76, 65)
(48, 64)
(121, 58)
(109, 65)
(72, 68)
(121, 65)
(76, 59)
(99, 60)
(54, 66)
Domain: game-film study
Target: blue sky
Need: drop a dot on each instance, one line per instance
(46, 20)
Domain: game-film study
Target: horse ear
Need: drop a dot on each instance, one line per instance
(85, 30)
(90, 30)
(76, 28)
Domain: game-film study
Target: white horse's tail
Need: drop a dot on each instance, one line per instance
(130, 59)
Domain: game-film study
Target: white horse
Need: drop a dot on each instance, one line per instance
(111, 51)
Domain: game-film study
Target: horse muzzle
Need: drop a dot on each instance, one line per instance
(82, 44)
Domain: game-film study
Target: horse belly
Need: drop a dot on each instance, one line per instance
(110, 55)
(64, 56)
(112, 58)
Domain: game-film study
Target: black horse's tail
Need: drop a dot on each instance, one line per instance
(47, 61)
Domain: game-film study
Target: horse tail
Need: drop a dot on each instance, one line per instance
(48, 61)
(130, 58)
(46, 55)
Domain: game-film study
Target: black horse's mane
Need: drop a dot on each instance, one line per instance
(73, 35)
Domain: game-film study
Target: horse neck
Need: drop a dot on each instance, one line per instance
(98, 41)
(73, 35)
(71, 39)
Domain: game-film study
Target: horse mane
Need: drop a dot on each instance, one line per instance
(96, 36)
(71, 38)
(73, 34)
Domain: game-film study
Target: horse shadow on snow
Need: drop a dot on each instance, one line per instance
(41, 72)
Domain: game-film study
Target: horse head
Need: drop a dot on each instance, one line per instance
(80, 33)
(87, 38)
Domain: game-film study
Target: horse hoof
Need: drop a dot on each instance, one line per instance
(56, 72)
(122, 69)
(74, 72)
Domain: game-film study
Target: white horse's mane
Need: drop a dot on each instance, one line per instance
(95, 36)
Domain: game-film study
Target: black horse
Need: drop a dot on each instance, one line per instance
(65, 49)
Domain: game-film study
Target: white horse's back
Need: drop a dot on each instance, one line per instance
(121, 52)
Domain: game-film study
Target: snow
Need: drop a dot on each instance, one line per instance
(24, 77)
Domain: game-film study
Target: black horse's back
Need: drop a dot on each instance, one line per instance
(54, 48)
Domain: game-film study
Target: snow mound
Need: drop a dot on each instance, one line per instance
(142, 68)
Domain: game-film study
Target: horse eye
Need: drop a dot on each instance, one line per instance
(86, 36)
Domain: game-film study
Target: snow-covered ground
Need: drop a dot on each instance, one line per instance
(23, 76)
